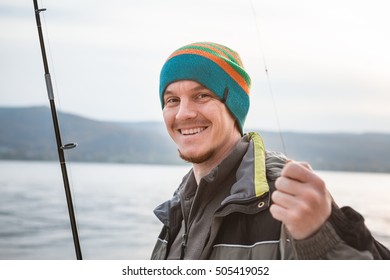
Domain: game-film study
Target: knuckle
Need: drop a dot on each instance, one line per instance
(307, 165)
(319, 185)
(305, 209)
(275, 212)
(274, 196)
(288, 167)
(294, 217)
(280, 183)
(311, 199)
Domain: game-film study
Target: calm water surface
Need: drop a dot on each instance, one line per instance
(114, 206)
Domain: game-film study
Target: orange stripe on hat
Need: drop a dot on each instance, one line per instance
(217, 48)
(220, 62)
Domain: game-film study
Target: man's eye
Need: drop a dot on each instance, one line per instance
(203, 96)
(171, 101)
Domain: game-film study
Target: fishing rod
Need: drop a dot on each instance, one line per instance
(60, 147)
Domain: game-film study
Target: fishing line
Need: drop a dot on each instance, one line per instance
(58, 93)
(53, 75)
(268, 79)
(284, 237)
(51, 60)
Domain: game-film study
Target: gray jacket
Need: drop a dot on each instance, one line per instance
(241, 227)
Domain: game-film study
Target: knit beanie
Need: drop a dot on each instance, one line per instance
(214, 66)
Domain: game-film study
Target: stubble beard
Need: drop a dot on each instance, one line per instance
(199, 158)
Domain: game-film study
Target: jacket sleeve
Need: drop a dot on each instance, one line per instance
(326, 244)
(343, 236)
(350, 226)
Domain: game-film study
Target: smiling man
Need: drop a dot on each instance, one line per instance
(240, 201)
(200, 124)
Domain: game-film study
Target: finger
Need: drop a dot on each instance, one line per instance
(298, 171)
(284, 200)
(278, 212)
(288, 185)
(306, 165)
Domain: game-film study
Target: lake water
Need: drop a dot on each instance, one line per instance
(114, 207)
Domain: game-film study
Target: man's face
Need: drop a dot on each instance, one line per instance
(197, 121)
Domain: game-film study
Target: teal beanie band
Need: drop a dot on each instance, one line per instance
(214, 66)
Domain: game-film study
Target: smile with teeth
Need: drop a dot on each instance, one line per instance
(192, 131)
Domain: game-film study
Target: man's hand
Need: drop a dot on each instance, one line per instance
(301, 200)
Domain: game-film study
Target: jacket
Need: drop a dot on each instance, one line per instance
(242, 227)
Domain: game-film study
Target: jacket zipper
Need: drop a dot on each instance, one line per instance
(185, 234)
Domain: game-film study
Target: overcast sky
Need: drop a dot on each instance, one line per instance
(328, 61)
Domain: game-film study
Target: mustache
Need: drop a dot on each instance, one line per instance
(191, 123)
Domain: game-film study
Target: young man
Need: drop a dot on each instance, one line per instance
(239, 201)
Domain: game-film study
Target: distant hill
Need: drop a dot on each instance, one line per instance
(27, 134)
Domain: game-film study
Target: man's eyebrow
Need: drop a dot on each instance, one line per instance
(196, 88)
(168, 92)
(199, 87)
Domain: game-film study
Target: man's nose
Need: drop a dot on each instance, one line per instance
(187, 110)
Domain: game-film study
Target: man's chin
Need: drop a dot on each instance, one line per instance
(196, 158)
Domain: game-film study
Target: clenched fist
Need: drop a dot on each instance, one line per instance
(301, 200)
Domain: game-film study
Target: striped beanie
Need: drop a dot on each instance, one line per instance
(216, 67)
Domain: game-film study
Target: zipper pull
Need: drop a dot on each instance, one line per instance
(183, 245)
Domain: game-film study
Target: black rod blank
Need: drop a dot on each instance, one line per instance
(60, 147)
